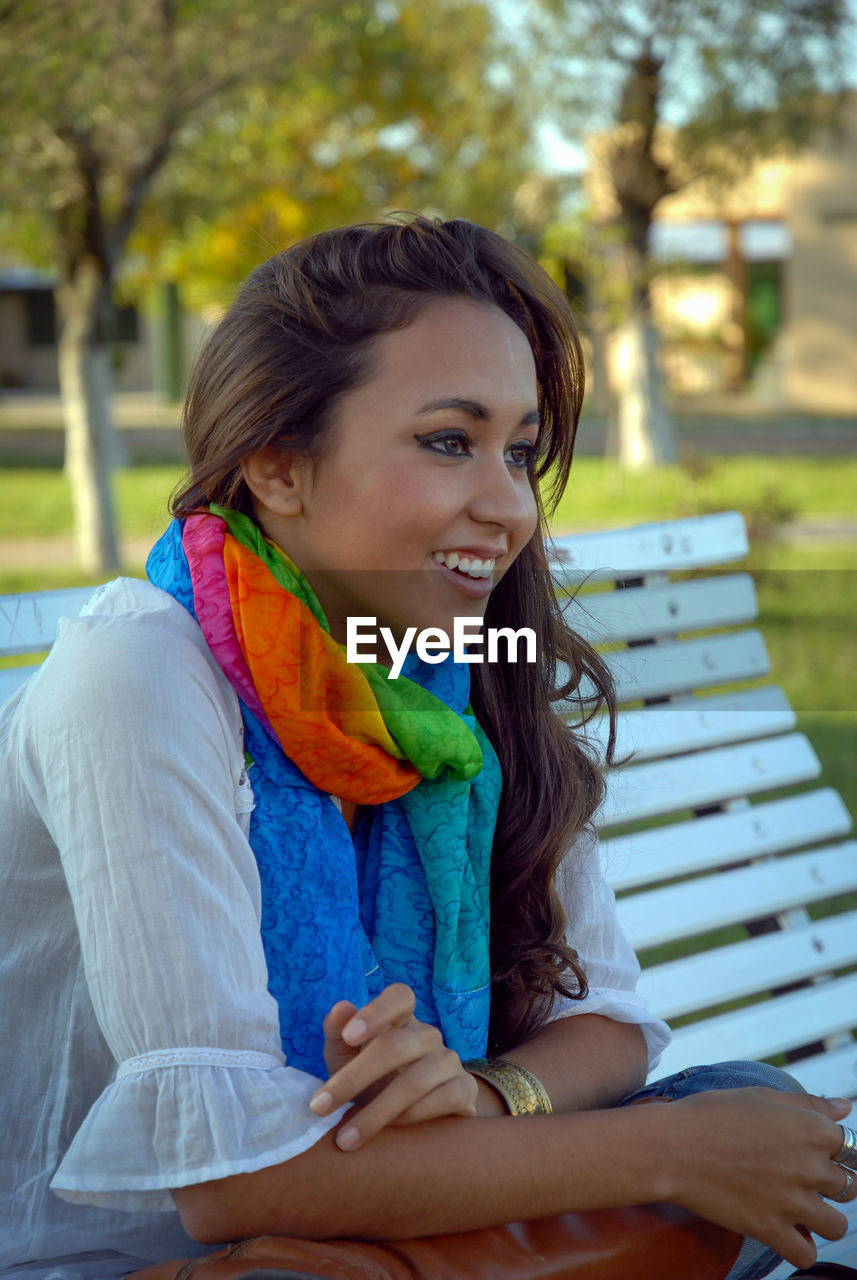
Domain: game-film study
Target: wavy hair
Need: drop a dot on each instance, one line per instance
(298, 338)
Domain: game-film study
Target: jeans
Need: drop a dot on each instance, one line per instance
(755, 1260)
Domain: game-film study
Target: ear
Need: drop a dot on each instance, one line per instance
(277, 480)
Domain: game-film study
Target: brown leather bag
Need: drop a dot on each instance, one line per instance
(651, 1242)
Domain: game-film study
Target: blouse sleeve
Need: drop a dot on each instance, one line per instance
(611, 967)
(134, 762)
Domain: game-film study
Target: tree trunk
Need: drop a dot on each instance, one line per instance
(85, 376)
(645, 430)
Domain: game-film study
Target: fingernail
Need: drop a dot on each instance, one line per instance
(321, 1102)
(354, 1031)
(348, 1138)
(841, 1102)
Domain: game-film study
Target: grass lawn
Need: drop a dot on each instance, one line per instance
(788, 486)
(35, 501)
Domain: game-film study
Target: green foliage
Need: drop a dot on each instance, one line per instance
(214, 133)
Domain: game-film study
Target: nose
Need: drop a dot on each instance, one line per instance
(503, 496)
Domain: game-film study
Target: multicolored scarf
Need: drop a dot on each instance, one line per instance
(406, 898)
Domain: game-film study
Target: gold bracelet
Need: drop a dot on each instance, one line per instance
(522, 1092)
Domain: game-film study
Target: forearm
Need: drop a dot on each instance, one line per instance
(448, 1175)
(584, 1062)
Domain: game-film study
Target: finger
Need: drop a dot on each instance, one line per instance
(337, 1018)
(843, 1185)
(336, 1051)
(797, 1247)
(389, 1052)
(828, 1221)
(394, 1007)
(436, 1076)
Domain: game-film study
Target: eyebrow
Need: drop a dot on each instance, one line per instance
(474, 409)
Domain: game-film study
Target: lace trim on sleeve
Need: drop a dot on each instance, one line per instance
(198, 1058)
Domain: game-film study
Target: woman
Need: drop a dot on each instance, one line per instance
(227, 843)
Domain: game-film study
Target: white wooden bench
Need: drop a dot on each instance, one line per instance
(711, 858)
(708, 857)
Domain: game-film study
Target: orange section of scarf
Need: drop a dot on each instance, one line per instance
(321, 707)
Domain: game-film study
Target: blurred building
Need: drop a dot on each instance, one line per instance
(759, 283)
(148, 345)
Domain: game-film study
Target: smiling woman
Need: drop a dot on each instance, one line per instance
(289, 940)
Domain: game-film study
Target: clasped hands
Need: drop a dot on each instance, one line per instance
(394, 1068)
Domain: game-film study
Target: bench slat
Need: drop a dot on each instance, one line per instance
(710, 902)
(707, 777)
(28, 623)
(719, 839)
(693, 724)
(747, 968)
(768, 1027)
(693, 543)
(833, 1073)
(642, 613)
(656, 671)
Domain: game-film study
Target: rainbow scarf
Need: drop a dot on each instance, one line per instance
(406, 898)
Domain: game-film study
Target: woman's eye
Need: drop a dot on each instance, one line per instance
(522, 454)
(450, 444)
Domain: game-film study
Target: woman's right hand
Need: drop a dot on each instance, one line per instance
(394, 1067)
(758, 1161)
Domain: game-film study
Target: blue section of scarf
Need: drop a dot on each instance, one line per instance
(403, 899)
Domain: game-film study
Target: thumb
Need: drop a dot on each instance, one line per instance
(836, 1108)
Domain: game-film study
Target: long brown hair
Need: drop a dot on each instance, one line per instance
(298, 337)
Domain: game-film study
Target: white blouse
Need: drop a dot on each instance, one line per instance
(139, 1046)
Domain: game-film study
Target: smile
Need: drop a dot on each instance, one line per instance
(472, 566)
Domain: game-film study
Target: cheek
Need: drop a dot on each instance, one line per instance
(531, 523)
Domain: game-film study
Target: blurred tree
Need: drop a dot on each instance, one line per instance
(671, 91)
(410, 114)
(184, 132)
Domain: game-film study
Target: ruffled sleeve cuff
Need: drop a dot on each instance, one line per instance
(173, 1119)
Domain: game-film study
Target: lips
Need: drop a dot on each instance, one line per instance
(474, 588)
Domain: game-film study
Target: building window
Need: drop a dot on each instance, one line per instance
(127, 325)
(41, 318)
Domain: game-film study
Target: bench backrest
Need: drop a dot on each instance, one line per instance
(731, 884)
(731, 872)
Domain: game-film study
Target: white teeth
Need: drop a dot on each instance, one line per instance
(471, 565)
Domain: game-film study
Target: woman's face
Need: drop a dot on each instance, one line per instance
(428, 466)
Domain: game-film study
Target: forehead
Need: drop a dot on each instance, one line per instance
(459, 347)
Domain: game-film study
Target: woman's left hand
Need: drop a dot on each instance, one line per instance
(396, 1069)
